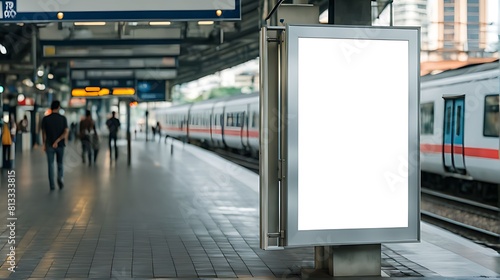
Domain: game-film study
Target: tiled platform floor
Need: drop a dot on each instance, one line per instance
(186, 215)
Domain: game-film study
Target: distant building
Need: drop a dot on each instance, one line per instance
(462, 28)
(453, 32)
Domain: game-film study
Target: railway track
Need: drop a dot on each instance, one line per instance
(249, 163)
(476, 221)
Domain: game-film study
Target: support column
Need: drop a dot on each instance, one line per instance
(356, 260)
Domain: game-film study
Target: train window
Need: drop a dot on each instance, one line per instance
(427, 118)
(459, 119)
(241, 117)
(491, 116)
(229, 119)
(448, 121)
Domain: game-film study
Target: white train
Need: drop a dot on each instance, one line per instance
(225, 123)
(459, 123)
(459, 132)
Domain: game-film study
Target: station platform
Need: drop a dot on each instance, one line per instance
(188, 215)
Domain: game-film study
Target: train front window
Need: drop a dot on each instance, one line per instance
(427, 118)
(491, 116)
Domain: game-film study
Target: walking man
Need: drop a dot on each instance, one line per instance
(113, 125)
(54, 136)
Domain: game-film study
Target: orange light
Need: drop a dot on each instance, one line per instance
(123, 91)
(92, 88)
(133, 103)
(80, 92)
(104, 91)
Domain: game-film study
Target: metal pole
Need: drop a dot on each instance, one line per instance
(129, 148)
(331, 9)
(34, 138)
(391, 21)
(147, 116)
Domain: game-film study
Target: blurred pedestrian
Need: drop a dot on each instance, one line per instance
(54, 136)
(23, 124)
(87, 128)
(6, 145)
(113, 125)
(158, 130)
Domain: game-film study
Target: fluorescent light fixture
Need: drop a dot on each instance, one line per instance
(160, 23)
(90, 23)
(205, 22)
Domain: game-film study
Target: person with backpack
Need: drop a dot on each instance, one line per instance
(113, 125)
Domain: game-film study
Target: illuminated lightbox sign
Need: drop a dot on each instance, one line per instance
(352, 154)
(117, 10)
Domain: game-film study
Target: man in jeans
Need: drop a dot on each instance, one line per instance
(54, 135)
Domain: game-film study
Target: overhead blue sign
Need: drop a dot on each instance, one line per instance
(118, 10)
(151, 90)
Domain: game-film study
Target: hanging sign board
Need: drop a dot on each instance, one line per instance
(118, 10)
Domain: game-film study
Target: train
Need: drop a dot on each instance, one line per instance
(459, 123)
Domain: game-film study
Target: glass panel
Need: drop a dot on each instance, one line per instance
(491, 116)
(448, 120)
(427, 118)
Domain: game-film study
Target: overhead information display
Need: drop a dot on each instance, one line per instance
(118, 10)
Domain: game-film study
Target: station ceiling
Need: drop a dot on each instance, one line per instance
(180, 52)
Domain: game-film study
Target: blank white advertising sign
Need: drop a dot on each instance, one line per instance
(352, 133)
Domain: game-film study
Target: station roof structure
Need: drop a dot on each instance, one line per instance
(181, 51)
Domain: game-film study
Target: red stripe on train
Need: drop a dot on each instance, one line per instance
(468, 151)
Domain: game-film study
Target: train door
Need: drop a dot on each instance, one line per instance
(453, 137)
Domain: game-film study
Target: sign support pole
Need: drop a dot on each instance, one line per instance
(270, 235)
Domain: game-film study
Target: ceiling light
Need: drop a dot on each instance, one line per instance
(205, 22)
(160, 23)
(50, 76)
(90, 23)
(3, 50)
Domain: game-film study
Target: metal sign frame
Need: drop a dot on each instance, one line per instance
(281, 68)
(403, 164)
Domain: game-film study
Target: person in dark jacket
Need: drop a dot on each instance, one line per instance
(54, 136)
